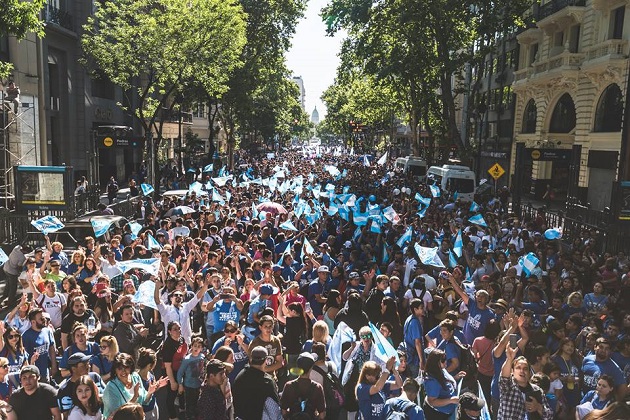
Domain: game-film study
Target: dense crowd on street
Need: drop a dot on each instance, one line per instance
(318, 286)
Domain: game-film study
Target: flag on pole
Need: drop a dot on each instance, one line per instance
(382, 160)
(47, 224)
(478, 220)
(307, 248)
(529, 263)
(147, 189)
(288, 225)
(458, 246)
(452, 261)
(435, 191)
(406, 237)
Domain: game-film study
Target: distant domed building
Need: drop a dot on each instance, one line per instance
(315, 116)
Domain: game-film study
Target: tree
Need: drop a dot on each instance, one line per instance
(19, 18)
(153, 49)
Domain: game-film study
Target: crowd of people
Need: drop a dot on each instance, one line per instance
(318, 287)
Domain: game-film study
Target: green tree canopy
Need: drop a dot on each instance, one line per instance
(18, 18)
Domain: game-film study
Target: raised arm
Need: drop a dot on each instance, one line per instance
(458, 289)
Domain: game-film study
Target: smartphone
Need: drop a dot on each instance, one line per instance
(307, 306)
(224, 295)
(513, 340)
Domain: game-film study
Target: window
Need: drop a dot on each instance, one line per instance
(615, 30)
(574, 38)
(609, 112)
(563, 117)
(199, 110)
(558, 39)
(533, 52)
(529, 118)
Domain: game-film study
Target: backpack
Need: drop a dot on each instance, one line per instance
(333, 392)
(439, 306)
(302, 406)
(392, 414)
(467, 361)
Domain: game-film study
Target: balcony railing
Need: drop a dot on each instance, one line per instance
(565, 59)
(59, 17)
(612, 47)
(554, 6)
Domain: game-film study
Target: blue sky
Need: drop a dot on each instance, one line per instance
(313, 56)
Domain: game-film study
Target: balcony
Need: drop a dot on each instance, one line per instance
(612, 48)
(59, 17)
(560, 14)
(555, 6)
(540, 71)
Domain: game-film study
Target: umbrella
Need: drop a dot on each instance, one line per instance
(271, 207)
(179, 210)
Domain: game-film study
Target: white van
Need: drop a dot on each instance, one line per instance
(412, 164)
(400, 164)
(453, 178)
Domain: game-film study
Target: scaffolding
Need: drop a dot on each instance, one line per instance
(18, 141)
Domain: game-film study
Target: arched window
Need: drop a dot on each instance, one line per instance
(529, 118)
(563, 117)
(609, 110)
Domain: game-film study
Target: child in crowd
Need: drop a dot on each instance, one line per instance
(190, 376)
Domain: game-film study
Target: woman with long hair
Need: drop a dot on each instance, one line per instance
(126, 386)
(296, 330)
(389, 313)
(320, 335)
(18, 317)
(12, 348)
(87, 402)
(226, 355)
(570, 364)
(102, 362)
(104, 311)
(373, 387)
(80, 343)
(88, 275)
(441, 388)
(147, 359)
(68, 284)
(78, 261)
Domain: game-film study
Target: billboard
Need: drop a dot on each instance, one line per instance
(43, 187)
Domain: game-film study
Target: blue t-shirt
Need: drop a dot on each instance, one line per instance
(240, 356)
(401, 405)
(435, 335)
(92, 350)
(413, 331)
(316, 288)
(593, 369)
(624, 364)
(594, 399)
(452, 352)
(40, 342)
(102, 363)
(255, 307)
(435, 390)
(494, 385)
(372, 407)
(224, 312)
(477, 320)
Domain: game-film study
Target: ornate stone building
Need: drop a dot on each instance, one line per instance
(569, 86)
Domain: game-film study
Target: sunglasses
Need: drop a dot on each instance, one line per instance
(366, 337)
(178, 296)
(4, 366)
(14, 336)
(230, 331)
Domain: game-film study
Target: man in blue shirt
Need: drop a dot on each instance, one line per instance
(224, 307)
(317, 291)
(599, 364)
(479, 314)
(40, 339)
(405, 404)
(256, 306)
(414, 335)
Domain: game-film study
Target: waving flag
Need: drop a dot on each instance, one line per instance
(307, 248)
(3, 257)
(422, 212)
(217, 197)
(147, 189)
(288, 225)
(478, 220)
(254, 211)
(423, 201)
(382, 160)
(390, 214)
(344, 213)
(375, 226)
(452, 261)
(332, 209)
(429, 256)
(343, 334)
(360, 219)
(385, 258)
(332, 170)
(435, 191)
(195, 187)
(474, 207)
(383, 349)
(221, 181)
(152, 242)
(528, 262)
(144, 295)
(208, 168)
(47, 224)
(554, 233)
(458, 246)
(366, 161)
(406, 237)
(357, 234)
(135, 229)
(100, 226)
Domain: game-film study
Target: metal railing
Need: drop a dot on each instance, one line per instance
(57, 16)
(555, 6)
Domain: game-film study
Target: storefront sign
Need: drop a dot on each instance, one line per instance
(553, 155)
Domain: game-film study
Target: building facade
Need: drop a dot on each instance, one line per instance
(570, 87)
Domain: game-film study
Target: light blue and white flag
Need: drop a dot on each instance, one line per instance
(375, 226)
(382, 160)
(474, 207)
(452, 261)
(383, 349)
(222, 171)
(428, 256)
(195, 187)
(435, 191)
(144, 295)
(343, 334)
(553, 233)
(528, 262)
(406, 237)
(390, 214)
(135, 229)
(288, 225)
(344, 213)
(152, 242)
(385, 258)
(359, 219)
(147, 189)
(422, 212)
(100, 226)
(3, 257)
(345, 189)
(357, 234)
(221, 181)
(150, 265)
(332, 209)
(208, 168)
(332, 170)
(217, 197)
(254, 211)
(424, 202)
(307, 248)
(478, 220)
(458, 246)
(47, 224)
(366, 161)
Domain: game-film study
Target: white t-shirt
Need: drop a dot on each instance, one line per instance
(77, 414)
(427, 298)
(52, 306)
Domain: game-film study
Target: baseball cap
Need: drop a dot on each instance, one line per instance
(258, 354)
(323, 269)
(305, 361)
(353, 275)
(324, 245)
(77, 358)
(265, 289)
(469, 401)
(29, 369)
(277, 267)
